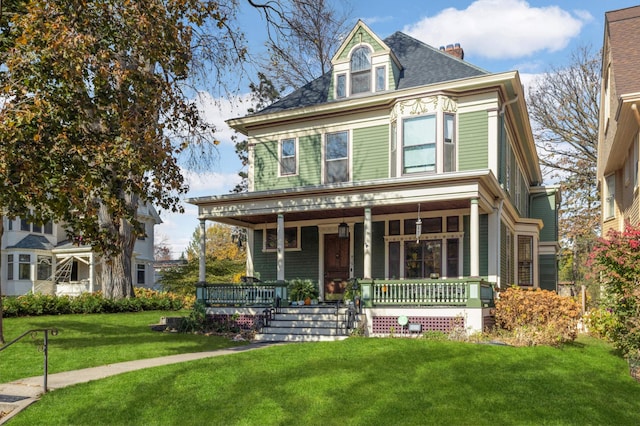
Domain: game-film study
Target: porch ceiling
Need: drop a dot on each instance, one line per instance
(343, 213)
(392, 196)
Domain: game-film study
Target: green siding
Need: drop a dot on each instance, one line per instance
(548, 272)
(297, 264)
(371, 153)
(377, 250)
(543, 206)
(473, 139)
(266, 165)
(366, 38)
(264, 263)
(484, 246)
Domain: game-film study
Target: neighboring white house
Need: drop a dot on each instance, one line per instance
(40, 259)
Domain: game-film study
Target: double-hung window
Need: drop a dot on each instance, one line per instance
(610, 197)
(288, 157)
(525, 260)
(24, 266)
(141, 273)
(361, 70)
(449, 143)
(419, 144)
(381, 79)
(336, 157)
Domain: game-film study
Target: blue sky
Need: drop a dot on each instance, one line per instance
(496, 35)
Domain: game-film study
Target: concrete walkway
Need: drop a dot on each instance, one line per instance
(21, 393)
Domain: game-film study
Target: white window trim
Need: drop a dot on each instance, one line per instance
(375, 78)
(296, 157)
(346, 85)
(609, 211)
(323, 174)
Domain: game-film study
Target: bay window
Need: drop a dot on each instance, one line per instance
(419, 144)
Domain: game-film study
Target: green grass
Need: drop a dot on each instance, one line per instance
(92, 340)
(363, 382)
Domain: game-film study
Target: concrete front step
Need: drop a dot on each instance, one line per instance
(270, 337)
(304, 324)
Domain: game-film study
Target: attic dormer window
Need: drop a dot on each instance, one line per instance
(361, 70)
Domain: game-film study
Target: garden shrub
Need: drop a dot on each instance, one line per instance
(601, 323)
(92, 303)
(536, 317)
(615, 261)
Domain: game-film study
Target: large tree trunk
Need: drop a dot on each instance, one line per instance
(1, 271)
(116, 269)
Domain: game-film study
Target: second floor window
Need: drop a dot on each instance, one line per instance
(337, 157)
(419, 144)
(449, 143)
(288, 157)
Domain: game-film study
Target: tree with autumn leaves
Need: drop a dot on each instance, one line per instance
(97, 107)
(615, 263)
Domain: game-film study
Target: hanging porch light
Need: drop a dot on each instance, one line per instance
(343, 230)
(418, 226)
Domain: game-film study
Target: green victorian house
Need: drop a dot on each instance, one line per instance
(405, 168)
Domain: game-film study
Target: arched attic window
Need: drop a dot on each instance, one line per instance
(361, 70)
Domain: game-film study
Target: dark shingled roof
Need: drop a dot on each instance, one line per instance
(33, 242)
(422, 65)
(624, 32)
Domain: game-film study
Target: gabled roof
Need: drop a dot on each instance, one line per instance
(33, 242)
(624, 32)
(422, 65)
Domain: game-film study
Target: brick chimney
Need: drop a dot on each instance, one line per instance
(454, 50)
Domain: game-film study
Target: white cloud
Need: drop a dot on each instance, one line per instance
(210, 183)
(500, 29)
(216, 110)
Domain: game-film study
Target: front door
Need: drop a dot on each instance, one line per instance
(336, 266)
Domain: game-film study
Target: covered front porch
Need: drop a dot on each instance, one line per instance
(430, 243)
(332, 233)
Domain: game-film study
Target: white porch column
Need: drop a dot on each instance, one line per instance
(249, 249)
(367, 243)
(92, 272)
(474, 239)
(202, 275)
(280, 251)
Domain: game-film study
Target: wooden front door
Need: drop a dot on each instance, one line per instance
(336, 266)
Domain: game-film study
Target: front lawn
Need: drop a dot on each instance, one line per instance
(94, 339)
(394, 381)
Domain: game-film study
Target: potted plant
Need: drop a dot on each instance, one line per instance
(351, 290)
(302, 291)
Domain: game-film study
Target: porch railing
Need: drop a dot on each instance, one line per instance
(240, 294)
(469, 292)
